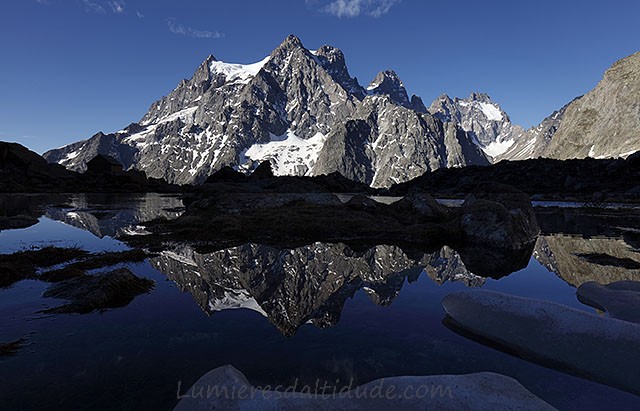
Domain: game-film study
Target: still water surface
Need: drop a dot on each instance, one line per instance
(280, 316)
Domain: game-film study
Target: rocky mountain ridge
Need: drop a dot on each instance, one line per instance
(287, 108)
(302, 110)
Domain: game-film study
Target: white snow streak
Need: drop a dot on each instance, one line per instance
(498, 147)
(491, 111)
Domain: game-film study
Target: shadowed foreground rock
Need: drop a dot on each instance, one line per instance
(620, 299)
(24, 171)
(598, 348)
(87, 293)
(500, 216)
(223, 388)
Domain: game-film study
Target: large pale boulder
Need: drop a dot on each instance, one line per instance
(226, 388)
(620, 299)
(598, 348)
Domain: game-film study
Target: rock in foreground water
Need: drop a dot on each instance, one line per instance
(497, 215)
(620, 299)
(226, 388)
(598, 348)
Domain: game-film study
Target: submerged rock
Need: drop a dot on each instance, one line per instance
(88, 293)
(598, 348)
(226, 388)
(620, 299)
(22, 265)
(11, 348)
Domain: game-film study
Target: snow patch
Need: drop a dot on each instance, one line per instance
(185, 115)
(179, 258)
(235, 299)
(135, 230)
(72, 155)
(491, 111)
(239, 73)
(627, 154)
(497, 147)
(289, 154)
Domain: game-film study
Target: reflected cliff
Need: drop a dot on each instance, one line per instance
(307, 284)
(569, 258)
(582, 245)
(113, 215)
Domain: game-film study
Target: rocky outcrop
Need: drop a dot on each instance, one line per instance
(255, 210)
(23, 171)
(480, 391)
(499, 216)
(23, 265)
(388, 83)
(604, 122)
(549, 334)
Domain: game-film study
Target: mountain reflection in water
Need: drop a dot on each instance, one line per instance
(310, 284)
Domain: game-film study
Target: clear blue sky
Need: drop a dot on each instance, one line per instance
(70, 68)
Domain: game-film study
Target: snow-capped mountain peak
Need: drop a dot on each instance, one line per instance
(241, 73)
(483, 118)
(300, 110)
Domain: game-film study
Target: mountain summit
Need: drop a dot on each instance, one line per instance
(388, 83)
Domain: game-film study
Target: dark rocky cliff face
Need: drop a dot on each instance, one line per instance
(388, 143)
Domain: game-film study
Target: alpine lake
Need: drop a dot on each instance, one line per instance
(321, 313)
